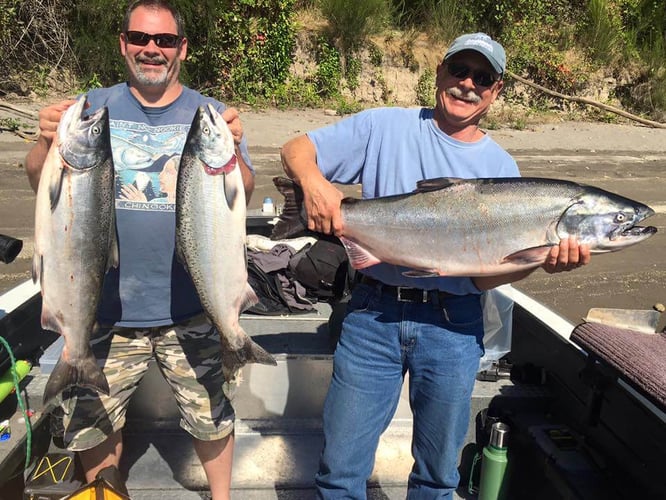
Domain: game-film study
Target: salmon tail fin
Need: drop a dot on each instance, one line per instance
(250, 352)
(293, 220)
(85, 373)
(258, 354)
(359, 257)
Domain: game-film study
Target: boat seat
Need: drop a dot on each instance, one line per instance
(640, 358)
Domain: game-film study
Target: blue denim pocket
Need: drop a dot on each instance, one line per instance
(463, 314)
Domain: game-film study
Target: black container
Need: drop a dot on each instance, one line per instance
(55, 476)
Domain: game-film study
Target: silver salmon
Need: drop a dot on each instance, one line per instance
(75, 242)
(210, 235)
(477, 227)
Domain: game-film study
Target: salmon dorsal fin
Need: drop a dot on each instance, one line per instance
(359, 257)
(436, 184)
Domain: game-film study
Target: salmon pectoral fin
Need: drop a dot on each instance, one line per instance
(84, 373)
(230, 193)
(37, 268)
(49, 321)
(359, 257)
(113, 258)
(534, 255)
(55, 184)
(249, 298)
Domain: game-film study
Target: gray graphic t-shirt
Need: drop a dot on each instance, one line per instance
(150, 287)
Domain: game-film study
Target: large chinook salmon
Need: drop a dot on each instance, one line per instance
(210, 235)
(479, 227)
(75, 242)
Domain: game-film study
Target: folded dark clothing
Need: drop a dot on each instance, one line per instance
(639, 357)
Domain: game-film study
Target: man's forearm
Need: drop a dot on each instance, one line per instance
(299, 159)
(34, 161)
(488, 282)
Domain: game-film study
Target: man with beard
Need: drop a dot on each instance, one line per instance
(430, 327)
(149, 307)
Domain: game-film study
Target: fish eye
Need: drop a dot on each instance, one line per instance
(620, 217)
(96, 130)
(206, 130)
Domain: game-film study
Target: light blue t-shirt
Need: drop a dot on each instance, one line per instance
(388, 150)
(150, 287)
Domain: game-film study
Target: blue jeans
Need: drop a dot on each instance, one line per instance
(440, 345)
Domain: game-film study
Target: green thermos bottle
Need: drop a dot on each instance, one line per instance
(493, 483)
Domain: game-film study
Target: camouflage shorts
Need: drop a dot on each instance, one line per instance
(189, 357)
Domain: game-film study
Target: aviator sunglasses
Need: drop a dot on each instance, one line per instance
(162, 40)
(479, 77)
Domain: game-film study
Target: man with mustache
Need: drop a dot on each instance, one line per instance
(150, 309)
(430, 327)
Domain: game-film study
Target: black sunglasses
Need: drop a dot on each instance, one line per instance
(162, 40)
(479, 77)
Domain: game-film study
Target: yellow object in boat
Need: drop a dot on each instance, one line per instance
(97, 490)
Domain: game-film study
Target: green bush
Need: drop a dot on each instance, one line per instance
(242, 50)
(536, 36)
(442, 19)
(94, 29)
(238, 49)
(603, 30)
(9, 26)
(296, 92)
(425, 88)
(252, 48)
(645, 32)
(35, 43)
(329, 69)
(351, 21)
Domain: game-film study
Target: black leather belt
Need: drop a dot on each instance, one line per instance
(408, 294)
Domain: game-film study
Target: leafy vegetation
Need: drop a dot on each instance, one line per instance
(244, 50)
(425, 88)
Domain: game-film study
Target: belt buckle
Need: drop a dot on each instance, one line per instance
(400, 298)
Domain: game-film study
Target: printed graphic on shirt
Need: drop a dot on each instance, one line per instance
(146, 160)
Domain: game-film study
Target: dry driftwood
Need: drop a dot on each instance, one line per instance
(30, 135)
(590, 102)
(18, 111)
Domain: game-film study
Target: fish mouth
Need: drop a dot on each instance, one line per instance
(634, 232)
(82, 138)
(70, 119)
(626, 238)
(638, 232)
(219, 156)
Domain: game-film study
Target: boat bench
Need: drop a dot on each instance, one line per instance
(636, 357)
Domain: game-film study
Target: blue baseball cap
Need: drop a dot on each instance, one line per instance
(484, 45)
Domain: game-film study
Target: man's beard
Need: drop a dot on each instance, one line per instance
(156, 75)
